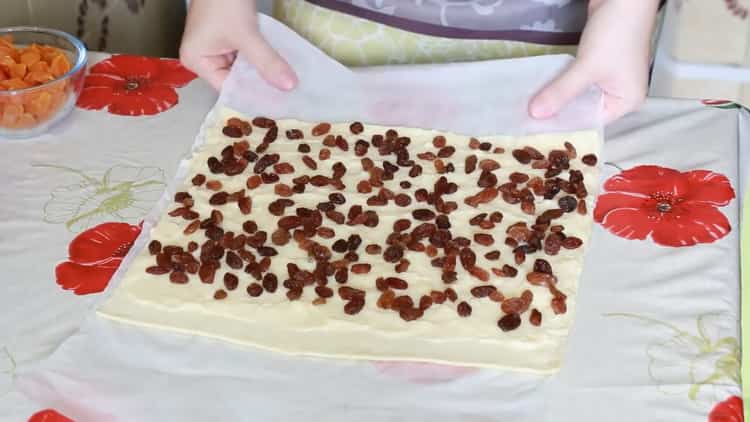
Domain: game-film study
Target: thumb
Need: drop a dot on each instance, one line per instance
(269, 64)
(561, 91)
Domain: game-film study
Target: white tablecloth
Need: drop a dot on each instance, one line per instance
(655, 337)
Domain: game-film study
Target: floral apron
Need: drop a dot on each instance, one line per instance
(377, 32)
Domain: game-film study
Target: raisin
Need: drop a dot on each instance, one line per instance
(373, 249)
(507, 271)
(341, 275)
(361, 268)
(567, 203)
(482, 291)
(522, 156)
(309, 162)
(254, 289)
(231, 281)
(572, 242)
(484, 239)
(249, 226)
(402, 266)
(233, 260)
(154, 247)
(479, 273)
(552, 244)
(356, 128)
(468, 258)
(294, 294)
(449, 277)
(353, 242)
(464, 309)
(157, 270)
(395, 283)
(410, 314)
(437, 297)
(589, 159)
(321, 129)
(402, 200)
(492, 256)
(324, 154)
(470, 164)
(535, 318)
(207, 273)
(487, 179)
(509, 322)
(581, 209)
(349, 293)
(541, 279)
(423, 214)
(513, 306)
(323, 291)
(542, 266)
(451, 295)
(446, 152)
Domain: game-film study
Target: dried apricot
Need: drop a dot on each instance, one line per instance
(30, 66)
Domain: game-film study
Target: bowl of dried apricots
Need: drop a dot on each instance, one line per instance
(41, 76)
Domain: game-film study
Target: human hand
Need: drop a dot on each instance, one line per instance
(215, 32)
(614, 54)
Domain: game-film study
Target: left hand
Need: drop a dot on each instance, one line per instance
(614, 54)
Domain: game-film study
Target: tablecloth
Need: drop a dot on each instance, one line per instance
(657, 327)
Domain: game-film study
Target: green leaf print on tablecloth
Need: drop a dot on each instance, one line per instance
(704, 357)
(123, 193)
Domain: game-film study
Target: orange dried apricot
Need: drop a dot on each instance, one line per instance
(25, 67)
(40, 66)
(59, 65)
(18, 70)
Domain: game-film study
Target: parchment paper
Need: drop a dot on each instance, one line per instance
(130, 373)
(480, 98)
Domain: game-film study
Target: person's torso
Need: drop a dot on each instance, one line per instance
(377, 32)
(556, 22)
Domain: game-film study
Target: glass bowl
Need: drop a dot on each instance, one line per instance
(28, 112)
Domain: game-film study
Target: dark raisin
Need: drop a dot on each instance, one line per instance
(589, 159)
(522, 156)
(231, 281)
(567, 203)
(509, 322)
(464, 309)
(254, 289)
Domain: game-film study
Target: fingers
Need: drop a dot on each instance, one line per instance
(616, 106)
(269, 64)
(561, 91)
(213, 69)
(213, 60)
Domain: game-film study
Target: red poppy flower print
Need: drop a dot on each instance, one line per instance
(725, 104)
(94, 256)
(730, 410)
(134, 85)
(49, 415)
(672, 207)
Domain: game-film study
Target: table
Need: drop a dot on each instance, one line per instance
(681, 362)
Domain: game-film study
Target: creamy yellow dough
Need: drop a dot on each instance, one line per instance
(271, 321)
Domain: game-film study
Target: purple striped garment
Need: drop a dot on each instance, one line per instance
(554, 22)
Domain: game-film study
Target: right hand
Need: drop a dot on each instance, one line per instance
(215, 32)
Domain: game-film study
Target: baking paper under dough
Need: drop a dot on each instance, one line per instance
(272, 322)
